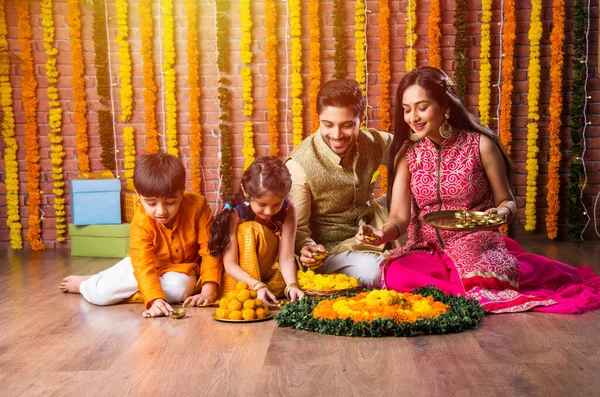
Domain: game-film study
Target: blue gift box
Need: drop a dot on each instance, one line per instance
(96, 201)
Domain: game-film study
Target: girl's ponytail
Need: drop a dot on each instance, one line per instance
(220, 230)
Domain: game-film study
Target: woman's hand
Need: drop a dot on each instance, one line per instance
(367, 234)
(158, 308)
(312, 256)
(501, 211)
(267, 297)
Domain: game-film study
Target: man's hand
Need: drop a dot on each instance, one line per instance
(158, 308)
(312, 256)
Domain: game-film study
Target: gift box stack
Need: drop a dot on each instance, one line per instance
(96, 209)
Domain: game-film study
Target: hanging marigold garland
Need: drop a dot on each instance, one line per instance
(150, 89)
(509, 35)
(533, 96)
(54, 120)
(129, 156)
(485, 73)
(170, 75)
(577, 119)
(435, 34)
(193, 55)
(411, 36)
(248, 150)
(225, 167)
(315, 61)
(360, 43)
(32, 153)
(80, 106)
(460, 74)
(125, 67)
(272, 85)
(557, 38)
(384, 79)
(339, 56)
(296, 59)
(11, 166)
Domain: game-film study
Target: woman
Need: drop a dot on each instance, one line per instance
(443, 159)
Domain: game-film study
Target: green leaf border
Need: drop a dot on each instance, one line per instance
(464, 314)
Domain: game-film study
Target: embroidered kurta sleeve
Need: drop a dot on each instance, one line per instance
(301, 196)
(144, 264)
(211, 267)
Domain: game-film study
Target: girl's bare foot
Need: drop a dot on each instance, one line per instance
(71, 283)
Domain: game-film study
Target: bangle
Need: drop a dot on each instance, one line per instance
(259, 285)
(397, 228)
(509, 210)
(287, 289)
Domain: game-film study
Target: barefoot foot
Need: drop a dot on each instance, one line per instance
(71, 283)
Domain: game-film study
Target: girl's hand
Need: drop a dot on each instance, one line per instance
(159, 308)
(367, 234)
(295, 293)
(267, 297)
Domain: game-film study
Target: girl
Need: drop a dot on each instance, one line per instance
(255, 232)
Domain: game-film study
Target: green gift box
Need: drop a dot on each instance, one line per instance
(106, 241)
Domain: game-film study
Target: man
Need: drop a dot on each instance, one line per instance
(332, 186)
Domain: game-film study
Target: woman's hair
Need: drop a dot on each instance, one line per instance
(159, 175)
(341, 94)
(265, 174)
(440, 88)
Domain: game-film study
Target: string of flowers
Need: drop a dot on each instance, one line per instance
(272, 85)
(339, 56)
(11, 166)
(435, 34)
(248, 150)
(193, 55)
(576, 125)
(129, 156)
(150, 89)
(225, 168)
(315, 61)
(360, 42)
(460, 74)
(485, 73)
(533, 96)
(508, 66)
(384, 80)
(32, 152)
(557, 38)
(125, 68)
(80, 105)
(170, 75)
(54, 120)
(296, 59)
(411, 36)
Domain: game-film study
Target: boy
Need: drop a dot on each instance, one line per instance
(169, 240)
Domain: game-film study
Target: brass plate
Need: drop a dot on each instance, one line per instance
(270, 316)
(447, 220)
(177, 314)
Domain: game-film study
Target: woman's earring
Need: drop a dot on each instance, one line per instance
(413, 137)
(446, 129)
(246, 202)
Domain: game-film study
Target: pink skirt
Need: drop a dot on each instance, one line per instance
(574, 289)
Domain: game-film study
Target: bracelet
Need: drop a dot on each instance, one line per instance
(259, 285)
(287, 289)
(509, 210)
(397, 228)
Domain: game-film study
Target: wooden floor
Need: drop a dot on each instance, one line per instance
(57, 344)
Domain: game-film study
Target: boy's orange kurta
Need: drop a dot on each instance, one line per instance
(155, 250)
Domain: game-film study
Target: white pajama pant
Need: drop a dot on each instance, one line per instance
(365, 266)
(117, 283)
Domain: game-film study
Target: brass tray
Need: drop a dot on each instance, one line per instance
(226, 320)
(465, 221)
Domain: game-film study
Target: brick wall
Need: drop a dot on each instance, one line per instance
(210, 115)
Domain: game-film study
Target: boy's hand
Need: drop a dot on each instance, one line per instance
(207, 295)
(159, 308)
